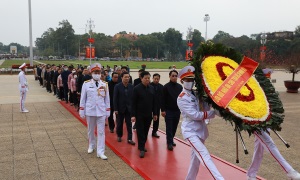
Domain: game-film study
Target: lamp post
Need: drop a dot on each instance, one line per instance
(189, 37)
(206, 18)
(263, 48)
(90, 26)
(30, 34)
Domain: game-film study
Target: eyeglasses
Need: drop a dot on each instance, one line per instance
(174, 75)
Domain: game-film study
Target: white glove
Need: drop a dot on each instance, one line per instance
(107, 114)
(81, 114)
(217, 113)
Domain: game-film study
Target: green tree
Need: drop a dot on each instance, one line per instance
(197, 39)
(173, 41)
(221, 36)
(297, 32)
(150, 46)
(123, 44)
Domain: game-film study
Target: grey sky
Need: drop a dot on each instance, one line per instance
(236, 17)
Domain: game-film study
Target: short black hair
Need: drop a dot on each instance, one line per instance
(123, 73)
(124, 67)
(156, 74)
(173, 71)
(112, 75)
(141, 70)
(144, 73)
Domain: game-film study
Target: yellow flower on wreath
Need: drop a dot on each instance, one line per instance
(256, 109)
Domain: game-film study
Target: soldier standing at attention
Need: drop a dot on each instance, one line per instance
(193, 127)
(95, 106)
(23, 87)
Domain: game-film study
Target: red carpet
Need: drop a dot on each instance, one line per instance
(159, 163)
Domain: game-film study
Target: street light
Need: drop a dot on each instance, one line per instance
(30, 34)
(263, 41)
(189, 37)
(90, 26)
(206, 18)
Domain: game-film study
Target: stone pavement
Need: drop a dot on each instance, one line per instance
(49, 143)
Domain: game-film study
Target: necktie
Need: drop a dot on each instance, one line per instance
(193, 93)
(97, 83)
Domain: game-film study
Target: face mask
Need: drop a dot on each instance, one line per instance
(188, 85)
(75, 76)
(65, 69)
(96, 77)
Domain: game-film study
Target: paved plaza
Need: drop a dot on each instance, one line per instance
(49, 143)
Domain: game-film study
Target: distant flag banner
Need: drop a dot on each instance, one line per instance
(232, 85)
(188, 55)
(88, 52)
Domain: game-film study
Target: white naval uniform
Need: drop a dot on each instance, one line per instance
(95, 106)
(194, 131)
(23, 87)
(263, 142)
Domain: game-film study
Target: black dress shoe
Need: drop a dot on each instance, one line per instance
(170, 147)
(155, 135)
(142, 154)
(111, 131)
(131, 142)
(173, 144)
(134, 126)
(119, 139)
(145, 149)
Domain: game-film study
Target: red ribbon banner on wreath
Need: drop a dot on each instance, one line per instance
(232, 85)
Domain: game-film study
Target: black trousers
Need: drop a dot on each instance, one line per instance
(54, 89)
(48, 86)
(66, 91)
(111, 122)
(142, 129)
(61, 92)
(41, 81)
(172, 120)
(74, 97)
(120, 120)
(156, 124)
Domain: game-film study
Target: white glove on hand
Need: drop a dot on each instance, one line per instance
(217, 112)
(107, 114)
(81, 114)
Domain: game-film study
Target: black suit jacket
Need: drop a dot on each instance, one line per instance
(123, 97)
(137, 81)
(144, 101)
(158, 88)
(111, 87)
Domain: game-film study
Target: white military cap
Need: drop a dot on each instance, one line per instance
(95, 66)
(187, 72)
(23, 66)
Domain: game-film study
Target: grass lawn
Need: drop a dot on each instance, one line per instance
(131, 64)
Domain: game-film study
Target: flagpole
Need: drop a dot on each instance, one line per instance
(30, 34)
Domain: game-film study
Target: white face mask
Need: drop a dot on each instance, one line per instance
(65, 69)
(75, 76)
(188, 85)
(96, 77)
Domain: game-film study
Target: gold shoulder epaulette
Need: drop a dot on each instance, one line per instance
(87, 81)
